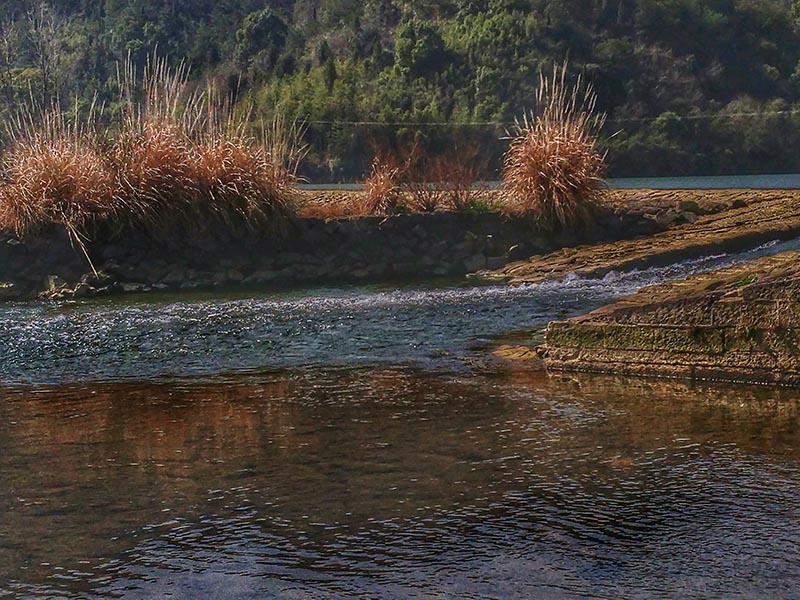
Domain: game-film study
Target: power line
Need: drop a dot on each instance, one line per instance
(695, 117)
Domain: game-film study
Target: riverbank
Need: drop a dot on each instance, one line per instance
(346, 248)
(314, 249)
(743, 220)
(738, 324)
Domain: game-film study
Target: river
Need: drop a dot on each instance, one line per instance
(360, 442)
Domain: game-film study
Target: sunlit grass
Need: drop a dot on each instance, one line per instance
(554, 168)
(179, 157)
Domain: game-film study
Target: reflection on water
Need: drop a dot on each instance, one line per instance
(394, 482)
(343, 443)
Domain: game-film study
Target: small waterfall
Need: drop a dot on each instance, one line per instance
(432, 326)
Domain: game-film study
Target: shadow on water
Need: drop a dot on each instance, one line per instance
(395, 482)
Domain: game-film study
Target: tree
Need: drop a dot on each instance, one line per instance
(419, 49)
(261, 40)
(44, 32)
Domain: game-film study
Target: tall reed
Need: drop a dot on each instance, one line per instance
(554, 168)
(56, 172)
(179, 157)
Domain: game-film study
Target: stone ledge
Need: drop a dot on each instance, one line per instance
(767, 215)
(745, 328)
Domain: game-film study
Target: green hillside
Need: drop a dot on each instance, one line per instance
(690, 86)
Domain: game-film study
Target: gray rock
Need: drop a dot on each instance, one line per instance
(475, 263)
(379, 268)
(668, 217)
(491, 245)
(97, 279)
(406, 268)
(404, 252)
(438, 249)
(494, 263)
(464, 249)
(263, 277)
(9, 291)
(174, 277)
(83, 290)
(515, 252)
(113, 252)
(689, 206)
(235, 276)
(290, 258)
(56, 295)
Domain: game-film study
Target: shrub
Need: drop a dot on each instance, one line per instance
(56, 172)
(459, 178)
(553, 170)
(178, 156)
(421, 183)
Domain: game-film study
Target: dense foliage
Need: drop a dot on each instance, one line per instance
(689, 86)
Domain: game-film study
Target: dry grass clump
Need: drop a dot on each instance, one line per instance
(459, 179)
(383, 193)
(180, 158)
(59, 182)
(554, 168)
(236, 177)
(56, 172)
(336, 204)
(421, 183)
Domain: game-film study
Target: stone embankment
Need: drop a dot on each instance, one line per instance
(360, 249)
(740, 324)
(316, 250)
(755, 217)
(311, 250)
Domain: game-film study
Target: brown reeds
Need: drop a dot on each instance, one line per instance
(56, 172)
(421, 183)
(553, 171)
(382, 188)
(459, 179)
(179, 158)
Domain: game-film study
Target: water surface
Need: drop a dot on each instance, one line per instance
(396, 483)
(787, 181)
(360, 443)
(432, 326)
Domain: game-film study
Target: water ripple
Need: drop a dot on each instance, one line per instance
(198, 335)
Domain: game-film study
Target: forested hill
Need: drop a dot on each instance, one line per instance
(690, 86)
